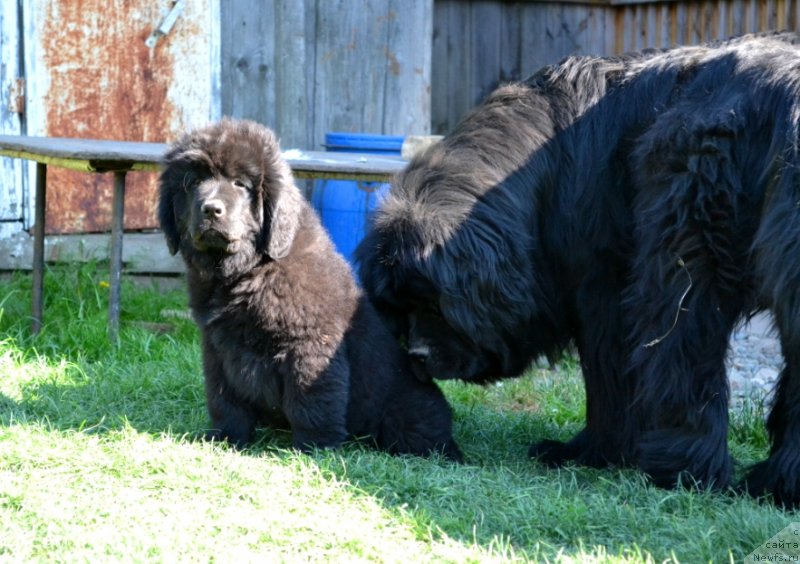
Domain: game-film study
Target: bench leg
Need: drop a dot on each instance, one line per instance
(38, 247)
(117, 225)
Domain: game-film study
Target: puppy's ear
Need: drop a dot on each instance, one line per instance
(282, 200)
(166, 213)
(284, 220)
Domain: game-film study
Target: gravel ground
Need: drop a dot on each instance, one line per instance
(754, 360)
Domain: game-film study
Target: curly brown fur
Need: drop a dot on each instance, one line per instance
(288, 337)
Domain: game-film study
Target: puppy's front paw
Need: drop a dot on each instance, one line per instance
(220, 436)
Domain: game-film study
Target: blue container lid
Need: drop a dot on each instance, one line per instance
(363, 142)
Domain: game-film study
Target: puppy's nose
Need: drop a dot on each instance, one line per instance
(419, 353)
(213, 209)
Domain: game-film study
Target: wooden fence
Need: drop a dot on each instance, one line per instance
(480, 44)
(306, 67)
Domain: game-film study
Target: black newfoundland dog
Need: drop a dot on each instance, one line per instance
(288, 337)
(636, 206)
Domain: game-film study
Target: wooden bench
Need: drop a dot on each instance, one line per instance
(119, 157)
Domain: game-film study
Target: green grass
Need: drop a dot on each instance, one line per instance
(99, 461)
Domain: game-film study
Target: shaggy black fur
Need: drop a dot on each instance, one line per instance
(637, 206)
(288, 337)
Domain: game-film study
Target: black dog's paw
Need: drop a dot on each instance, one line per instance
(551, 453)
(580, 450)
(673, 457)
(451, 452)
(765, 479)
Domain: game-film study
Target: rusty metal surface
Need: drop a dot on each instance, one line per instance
(103, 81)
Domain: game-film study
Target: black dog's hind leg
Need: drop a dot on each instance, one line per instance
(608, 395)
(689, 288)
(779, 475)
(682, 397)
(779, 264)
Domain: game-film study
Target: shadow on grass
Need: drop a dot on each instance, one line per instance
(154, 402)
(498, 502)
(431, 492)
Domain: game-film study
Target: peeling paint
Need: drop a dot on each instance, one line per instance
(104, 82)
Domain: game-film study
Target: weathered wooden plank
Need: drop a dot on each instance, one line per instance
(247, 35)
(319, 164)
(682, 34)
(752, 16)
(13, 186)
(573, 23)
(440, 62)
(651, 23)
(458, 66)
(79, 165)
(594, 39)
(84, 149)
(142, 252)
(510, 37)
(664, 26)
(781, 14)
(407, 94)
(614, 31)
(348, 83)
(740, 9)
(724, 15)
(289, 45)
(771, 7)
(536, 36)
(710, 20)
(91, 155)
(629, 29)
(486, 22)
(794, 14)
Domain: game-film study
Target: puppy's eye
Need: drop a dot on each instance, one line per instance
(241, 184)
(189, 182)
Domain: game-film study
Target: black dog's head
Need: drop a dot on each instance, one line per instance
(454, 254)
(439, 326)
(446, 272)
(227, 196)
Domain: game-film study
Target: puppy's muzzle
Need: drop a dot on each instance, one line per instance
(213, 209)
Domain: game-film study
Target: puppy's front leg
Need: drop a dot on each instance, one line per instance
(231, 418)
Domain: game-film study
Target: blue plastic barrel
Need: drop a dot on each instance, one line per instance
(345, 205)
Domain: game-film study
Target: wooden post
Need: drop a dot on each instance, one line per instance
(38, 247)
(117, 221)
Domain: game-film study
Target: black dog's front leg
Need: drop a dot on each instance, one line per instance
(231, 418)
(605, 439)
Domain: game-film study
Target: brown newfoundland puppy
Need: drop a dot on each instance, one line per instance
(288, 336)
